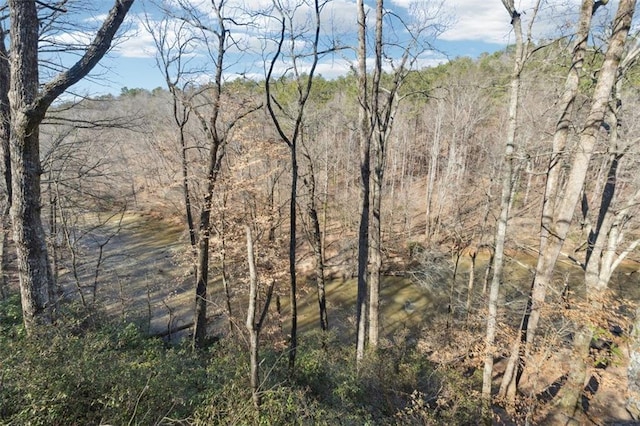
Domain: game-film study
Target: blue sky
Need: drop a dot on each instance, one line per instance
(473, 27)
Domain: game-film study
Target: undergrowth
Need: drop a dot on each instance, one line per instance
(88, 370)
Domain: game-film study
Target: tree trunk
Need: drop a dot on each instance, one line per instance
(202, 266)
(364, 136)
(223, 270)
(431, 179)
(293, 336)
(569, 397)
(559, 205)
(53, 227)
(317, 245)
(472, 276)
(508, 388)
(202, 278)
(181, 122)
(633, 371)
(487, 271)
(320, 276)
(5, 160)
(375, 238)
(375, 257)
(505, 202)
(33, 262)
(251, 322)
(375, 233)
(28, 106)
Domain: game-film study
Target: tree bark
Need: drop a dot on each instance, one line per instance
(5, 159)
(316, 243)
(364, 138)
(251, 321)
(563, 125)
(320, 276)
(557, 219)
(603, 242)
(633, 371)
(216, 154)
(472, 277)
(5, 121)
(431, 222)
(375, 233)
(293, 334)
(33, 263)
(505, 200)
(28, 107)
(569, 397)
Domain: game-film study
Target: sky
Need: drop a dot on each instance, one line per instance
(454, 28)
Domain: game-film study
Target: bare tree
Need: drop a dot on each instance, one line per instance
(315, 235)
(216, 114)
(289, 125)
(77, 180)
(173, 45)
(378, 105)
(28, 106)
(606, 227)
(522, 50)
(561, 199)
(254, 324)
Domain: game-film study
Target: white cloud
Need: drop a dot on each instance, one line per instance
(339, 17)
(488, 21)
(478, 20)
(472, 20)
(98, 19)
(136, 43)
(327, 68)
(429, 59)
(75, 38)
(333, 69)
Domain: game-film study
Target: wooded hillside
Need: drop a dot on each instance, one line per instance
(400, 245)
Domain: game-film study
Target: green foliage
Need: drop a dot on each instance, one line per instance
(11, 326)
(88, 370)
(389, 384)
(605, 349)
(125, 91)
(104, 374)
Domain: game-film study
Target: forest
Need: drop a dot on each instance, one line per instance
(452, 244)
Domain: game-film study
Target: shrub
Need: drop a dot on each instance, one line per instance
(87, 370)
(110, 373)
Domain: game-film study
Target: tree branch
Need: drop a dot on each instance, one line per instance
(53, 7)
(96, 50)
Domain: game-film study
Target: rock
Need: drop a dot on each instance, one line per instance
(409, 307)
